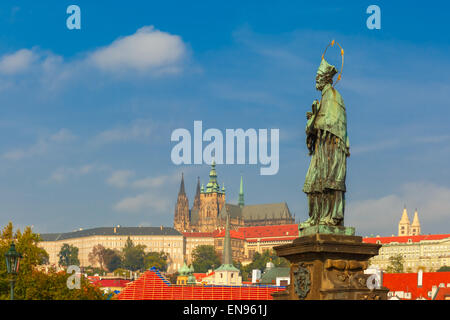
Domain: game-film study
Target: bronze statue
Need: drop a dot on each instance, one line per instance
(328, 145)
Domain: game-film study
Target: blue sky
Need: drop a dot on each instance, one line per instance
(86, 115)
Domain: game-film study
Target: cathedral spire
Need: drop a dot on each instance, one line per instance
(197, 193)
(182, 185)
(181, 219)
(213, 185)
(241, 194)
(404, 218)
(404, 224)
(196, 204)
(416, 219)
(415, 226)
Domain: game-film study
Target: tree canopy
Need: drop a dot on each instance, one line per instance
(260, 261)
(133, 256)
(97, 256)
(157, 260)
(68, 255)
(395, 264)
(112, 259)
(444, 269)
(33, 283)
(204, 257)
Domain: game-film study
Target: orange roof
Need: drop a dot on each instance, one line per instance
(407, 282)
(284, 230)
(405, 239)
(104, 283)
(233, 234)
(200, 276)
(153, 286)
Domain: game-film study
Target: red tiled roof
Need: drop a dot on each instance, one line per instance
(152, 286)
(233, 234)
(407, 282)
(284, 230)
(200, 276)
(111, 282)
(405, 239)
(443, 294)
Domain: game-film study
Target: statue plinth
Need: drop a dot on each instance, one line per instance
(329, 267)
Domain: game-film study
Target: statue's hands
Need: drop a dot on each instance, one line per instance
(309, 115)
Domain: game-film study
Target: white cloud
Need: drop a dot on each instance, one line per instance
(63, 136)
(63, 173)
(17, 62)
(41, 146)
(153, 182)
(377, 216)
(150, 199)
(119, 179)
(144, 201)
(138, 130)
(150, 182)
(147, 49)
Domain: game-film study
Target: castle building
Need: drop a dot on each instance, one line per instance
(422, 252)
(237, 244)
(156, 239)
(194, 239)
(210, 210)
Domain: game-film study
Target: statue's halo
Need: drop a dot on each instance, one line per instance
(342, 55)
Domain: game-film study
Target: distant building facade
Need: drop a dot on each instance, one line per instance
(426, 252)
(194, 239)
(156, 239)
(237, 244)
(429, 252)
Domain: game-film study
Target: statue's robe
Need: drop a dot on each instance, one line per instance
(325, 179)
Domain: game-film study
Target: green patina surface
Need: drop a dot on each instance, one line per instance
(328, 145)
(324, 229)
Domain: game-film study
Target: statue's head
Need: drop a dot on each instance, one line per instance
(325, 74)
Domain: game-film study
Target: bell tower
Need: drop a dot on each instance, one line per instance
(212, 200)
(415, 226)
(404, 225)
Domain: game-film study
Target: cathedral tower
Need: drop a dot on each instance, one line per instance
(404, 225)
(212, 200)
(181, 220)
(415, 226)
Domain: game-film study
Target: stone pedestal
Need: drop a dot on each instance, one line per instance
(329, 267)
